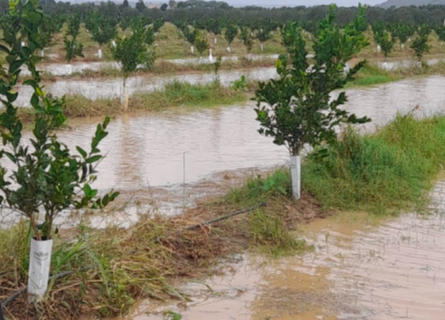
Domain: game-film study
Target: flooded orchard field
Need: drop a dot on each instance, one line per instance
(112, 88)
(164, 149)
(362, 267)
(148, 150)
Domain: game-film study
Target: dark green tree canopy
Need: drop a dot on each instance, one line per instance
(297, 108)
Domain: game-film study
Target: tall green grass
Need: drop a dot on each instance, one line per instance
(371, 74)
(177, 94)
(383, 172)
(270, 231)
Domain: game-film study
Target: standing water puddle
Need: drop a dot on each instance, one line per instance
(361, 268)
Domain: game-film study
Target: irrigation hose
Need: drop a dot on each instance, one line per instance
(23, 290)
(195, 226)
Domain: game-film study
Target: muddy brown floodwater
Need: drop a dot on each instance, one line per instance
(164, 149)
(362, 268)
(148, 149)
(112, 88)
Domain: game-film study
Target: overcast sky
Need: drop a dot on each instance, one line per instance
(293, 3)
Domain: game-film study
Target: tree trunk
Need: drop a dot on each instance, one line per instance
(215, 41)
(70, 69)
(403, 46)
(124, 95)
(192, 49)
(295, 171)
(42, 53)
(99, 53)
(39, 265)
(228, 49)
(262, 47)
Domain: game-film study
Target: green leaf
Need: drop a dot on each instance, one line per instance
(34, 17)
(4, 49)
(15, 65)
(82, 152)
(93, 159)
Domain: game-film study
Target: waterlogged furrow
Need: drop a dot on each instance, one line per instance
(395, 270)
(112, 88)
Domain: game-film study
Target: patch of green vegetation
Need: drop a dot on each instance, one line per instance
(371, 74)
(382, 173)
(259, 189)
(176, 94)
(271, 236)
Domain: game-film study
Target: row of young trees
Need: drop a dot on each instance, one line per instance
(198, 37)
(386, 35)
(103, 30)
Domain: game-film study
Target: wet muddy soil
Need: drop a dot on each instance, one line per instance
(362, 267)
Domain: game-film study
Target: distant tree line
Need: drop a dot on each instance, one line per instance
(201, 13)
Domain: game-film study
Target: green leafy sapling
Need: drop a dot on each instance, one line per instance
(130, 53)
(264, 33)
(46, 177)
(190, 36)
(403, 32)
(202, 45)
(102, 30)
(46, 33)
(420, 43)
(247, 39)
(385, 40)
(297, 109)
(230, 34)
(73, 48)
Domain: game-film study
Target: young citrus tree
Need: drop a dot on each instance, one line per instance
(46, 33)
(190, 36)
(214, 26)
(403, 32)
(102, 30)
(73, 48)
(440, 32)
(202, 45)
(420, 43)
(246, 37)
(264, 33)
(130, 53)
(46, 178)
(385, 40)
(230, 34)
(297, 108)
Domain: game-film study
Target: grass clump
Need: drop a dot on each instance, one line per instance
(176, 94)
(271, 227)
(384, 172)
(271, 236)
(372, 74)
(259, 189)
